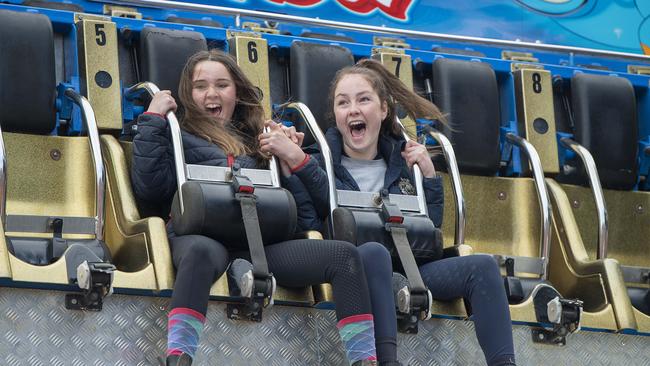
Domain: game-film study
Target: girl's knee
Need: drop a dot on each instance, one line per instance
(206, 251)
(374, 253)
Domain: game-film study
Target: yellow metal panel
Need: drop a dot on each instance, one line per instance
(99, 70)
(399, 64)
(49, 176)
(252, 56)
(536, 116)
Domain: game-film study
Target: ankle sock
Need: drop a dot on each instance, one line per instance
(184, 327)
(358, 335)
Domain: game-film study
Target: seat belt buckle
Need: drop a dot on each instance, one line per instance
(96, 281)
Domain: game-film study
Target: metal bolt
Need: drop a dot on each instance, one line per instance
(540, 336)
(639, 208)
(74, 301)
(55, 154)
(502, 196)
(235, 311)
(575, 204)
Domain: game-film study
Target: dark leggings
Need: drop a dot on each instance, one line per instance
(200, 261)
(378, 267)
(476, 278)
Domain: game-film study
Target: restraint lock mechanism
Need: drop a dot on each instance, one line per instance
(96, 281)
(257, 286)
(561, 315)
(413, 299)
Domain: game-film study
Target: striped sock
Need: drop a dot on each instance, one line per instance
(358, 334)
(184, 327)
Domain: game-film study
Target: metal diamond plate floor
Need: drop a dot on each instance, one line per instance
(36, 329)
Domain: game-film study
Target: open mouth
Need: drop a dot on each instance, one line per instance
(357, 129)
(213, 109)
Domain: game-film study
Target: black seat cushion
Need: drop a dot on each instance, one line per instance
(639, 299)
(604, 112)
(359, 226)
(467, 93)
(313, 67)
(211, 209)
(27, 73)
(44, 251)
(164, 53)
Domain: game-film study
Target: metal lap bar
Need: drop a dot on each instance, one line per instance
(177, 142)
(312, 125)
(3, 179)
(417, 177)
(596, 190)
(43, 224)
(542, 195)
(457, 186)
(88, 117)
(633, 274)
(405, 203)
(222, 174)
(523, 264)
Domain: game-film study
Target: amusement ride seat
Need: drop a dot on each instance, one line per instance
(602, 115)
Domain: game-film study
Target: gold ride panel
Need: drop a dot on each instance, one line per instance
(399, 63)
(628, 233)
(139, 245)
(99, 69)
(503, 218)
(535, 115)
(251, 52)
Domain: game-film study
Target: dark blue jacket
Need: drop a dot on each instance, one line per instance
(153, 175)
(398, 177)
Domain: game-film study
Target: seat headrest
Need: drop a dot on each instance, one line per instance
(27, 73)
(467, 93)
(604, 109)
(313, 67)
(163, 54)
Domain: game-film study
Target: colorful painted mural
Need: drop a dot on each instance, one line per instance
(616, 25)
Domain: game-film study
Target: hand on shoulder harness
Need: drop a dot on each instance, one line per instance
(417, 153)
(162, 103)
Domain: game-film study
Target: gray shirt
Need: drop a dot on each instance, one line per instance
(369, 174)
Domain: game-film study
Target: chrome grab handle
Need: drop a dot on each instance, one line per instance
(596, 190)
(457, 186)
(542, 195)
(88, 116)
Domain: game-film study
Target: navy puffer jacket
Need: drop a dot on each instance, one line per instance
(153, 175)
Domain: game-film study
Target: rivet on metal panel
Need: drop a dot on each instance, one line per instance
(575, 204)
(502, 196)
(55, 154)
(639, 209)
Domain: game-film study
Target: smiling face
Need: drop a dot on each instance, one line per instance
(213, 90)
(359, 113)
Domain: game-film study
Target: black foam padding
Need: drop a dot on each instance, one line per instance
(639, 298)
(330, 37)
(362, 226)
(313, 67)
(27, 73)
(467, 93)
(211, 209)
(201, 22)
(44, 251)
(164, 53)
(604, 113)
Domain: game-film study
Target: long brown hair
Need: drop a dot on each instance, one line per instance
(391, 90)
(237, 136)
